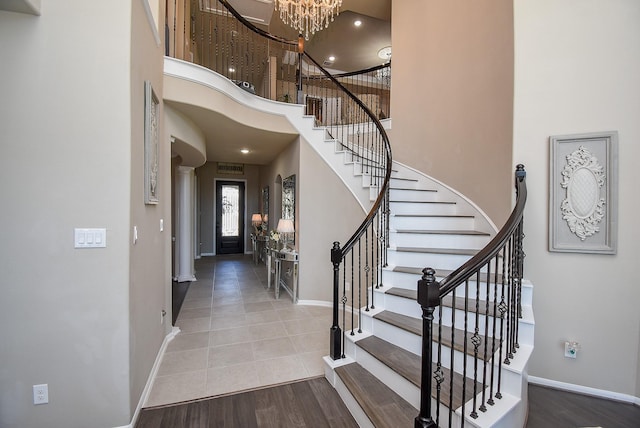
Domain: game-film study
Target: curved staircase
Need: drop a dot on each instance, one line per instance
(379, 378)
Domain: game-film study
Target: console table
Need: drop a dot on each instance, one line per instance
(275, 259)
(259, 247)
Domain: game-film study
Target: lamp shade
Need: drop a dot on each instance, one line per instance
(256, 218)
(285, 225)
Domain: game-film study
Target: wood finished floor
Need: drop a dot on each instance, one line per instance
(314, 403)
(551, 408)
(311, 403)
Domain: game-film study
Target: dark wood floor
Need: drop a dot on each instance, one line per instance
(311, 403)
(314, 403)
(560, 409)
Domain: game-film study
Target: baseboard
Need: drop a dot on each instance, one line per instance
(154, 370)
(207, 254)
(315, 303)
(585, 390)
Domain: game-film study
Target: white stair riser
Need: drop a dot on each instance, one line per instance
(411, 308)
(410, 281)
(431, 223)
(438, 240)
(436, 260)
(422, 208)
(397, 304)
(413, 195)
(401, 182)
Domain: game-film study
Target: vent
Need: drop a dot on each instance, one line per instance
(230, 168)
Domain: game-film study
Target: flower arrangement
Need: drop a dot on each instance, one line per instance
(274, 236)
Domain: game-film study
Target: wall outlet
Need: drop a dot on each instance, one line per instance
(163, 313)
(570, 349)
(41, 394)
(347, 286)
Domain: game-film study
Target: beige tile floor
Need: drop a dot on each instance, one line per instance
(234, 335)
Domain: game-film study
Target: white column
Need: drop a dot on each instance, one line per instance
(184, 225)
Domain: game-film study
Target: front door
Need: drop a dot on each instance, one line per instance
(229, 217)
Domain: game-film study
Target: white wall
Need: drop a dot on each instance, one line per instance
(576, 70)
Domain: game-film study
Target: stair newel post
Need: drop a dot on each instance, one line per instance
(336, 334)
(429, 299)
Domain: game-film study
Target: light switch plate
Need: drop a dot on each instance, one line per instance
(90, 238)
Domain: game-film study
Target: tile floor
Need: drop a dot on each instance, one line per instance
(235, 335)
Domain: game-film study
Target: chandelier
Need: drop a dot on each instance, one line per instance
(308, 16)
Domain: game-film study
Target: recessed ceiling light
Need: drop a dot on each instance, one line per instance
(357, 23)
(332, 58)
(232, 70)
(244, 151)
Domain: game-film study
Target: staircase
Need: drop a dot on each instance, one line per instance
(379, 380)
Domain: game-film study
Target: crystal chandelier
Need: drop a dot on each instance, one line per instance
(308, 16)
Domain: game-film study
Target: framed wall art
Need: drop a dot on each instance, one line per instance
(583, 205)
(151, 144)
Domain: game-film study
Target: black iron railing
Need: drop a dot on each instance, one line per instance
(350, 106)
(484, 295)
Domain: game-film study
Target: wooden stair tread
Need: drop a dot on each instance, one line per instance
(409, 366)
(414, 325)
(408, 293)
(444, 232)
(382, 406)
(454, 251)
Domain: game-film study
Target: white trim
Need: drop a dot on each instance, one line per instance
(207, 254)
(323, 303)
(154, 370)
(585, 390)
(186, 278)
(152, 22)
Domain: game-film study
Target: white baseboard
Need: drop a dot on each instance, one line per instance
(315, 303)
(207, 254)
(187, 278)
(625, 398)
(154, 370)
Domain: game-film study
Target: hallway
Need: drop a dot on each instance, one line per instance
(234, 335)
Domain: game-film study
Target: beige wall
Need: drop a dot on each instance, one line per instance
(84, 321)
(150, 257)
(328, 212)
(66, 123)
(452, 95)
(577, 66)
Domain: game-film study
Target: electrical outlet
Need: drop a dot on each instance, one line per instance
(163, 313)
(570, 349)
(347, 286)
(41, 394)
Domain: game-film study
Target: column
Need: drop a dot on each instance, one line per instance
(184, 224)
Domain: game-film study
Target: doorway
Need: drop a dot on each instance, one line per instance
(229, 217)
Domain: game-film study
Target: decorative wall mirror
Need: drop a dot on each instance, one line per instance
(289, 197)
(265, 206)
(288, 210)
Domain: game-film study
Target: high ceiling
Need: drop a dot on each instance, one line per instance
(354, 48)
